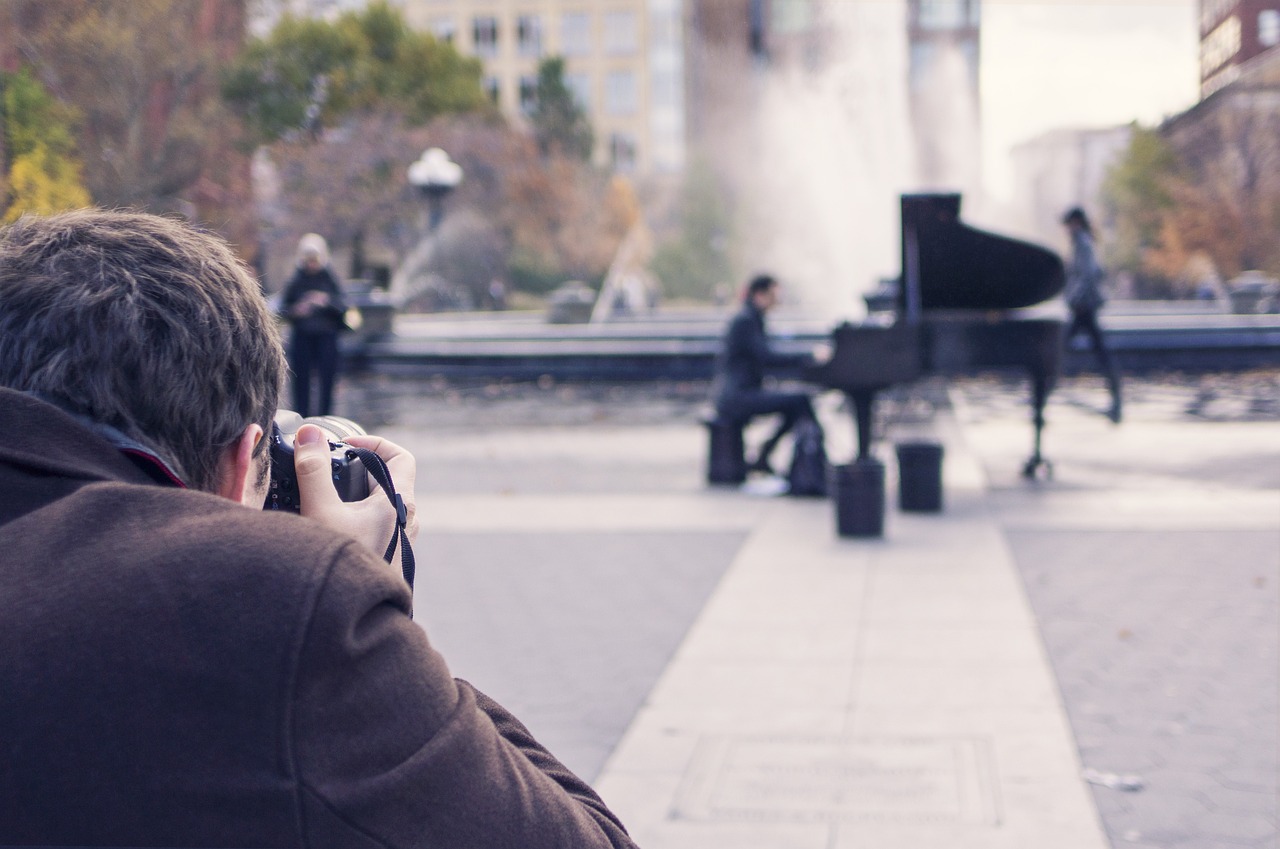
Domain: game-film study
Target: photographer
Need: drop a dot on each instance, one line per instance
(179, 667)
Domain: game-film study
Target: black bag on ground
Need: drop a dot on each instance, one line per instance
(808, 474)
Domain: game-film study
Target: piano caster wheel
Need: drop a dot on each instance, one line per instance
(1034, 465)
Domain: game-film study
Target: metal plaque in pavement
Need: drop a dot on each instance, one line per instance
(777, 778)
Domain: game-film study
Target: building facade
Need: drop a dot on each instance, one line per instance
(1232, 34)
(624, 62)
(724, 46)
(943, 43)
(1231, 140)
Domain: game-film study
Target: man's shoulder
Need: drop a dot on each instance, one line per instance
(165, 526)
(170, 563)
(745, 317)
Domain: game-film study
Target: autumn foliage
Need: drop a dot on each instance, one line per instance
(1199, 199)
(164, 105)
(142, 79)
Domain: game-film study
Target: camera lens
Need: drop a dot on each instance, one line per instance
(349, 475)
(339, 427)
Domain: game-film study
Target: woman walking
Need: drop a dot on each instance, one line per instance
(1085, 298)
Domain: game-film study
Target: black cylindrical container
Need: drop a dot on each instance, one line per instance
(920, 477)
(725, 463)
(859, 498)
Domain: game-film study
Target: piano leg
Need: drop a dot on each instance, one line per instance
(1041, 386)
(863, 408)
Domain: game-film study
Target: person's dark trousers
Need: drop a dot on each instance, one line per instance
(1086, 321)
(313, 356)
(793, 406)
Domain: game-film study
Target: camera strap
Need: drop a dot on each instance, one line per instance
(377, 467)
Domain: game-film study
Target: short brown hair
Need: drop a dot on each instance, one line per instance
(143, 323)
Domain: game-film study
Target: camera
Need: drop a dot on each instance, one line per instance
(349, 476)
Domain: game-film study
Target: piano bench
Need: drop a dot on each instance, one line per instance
(726, 461)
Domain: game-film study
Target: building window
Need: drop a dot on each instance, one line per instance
(791, 15)
(529, 35)
(491, 89)
(622, 152)
(484, 34)
(1213, 11)
(1269, 28)
(580, 86)
(1220, 46)
(528, 93)
(621, 35)
(575, 34)
(620, 93)
(444, 29)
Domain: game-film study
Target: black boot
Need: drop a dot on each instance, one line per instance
(761, 463)
(1114, 412)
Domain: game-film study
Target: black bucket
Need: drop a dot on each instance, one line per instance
(725, 463)
(859, 498)
(920, 477)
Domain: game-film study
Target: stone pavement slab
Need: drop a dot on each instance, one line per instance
(829, 693)
(1152, 561)
(850, 693)
(560, 566)
(567, 629)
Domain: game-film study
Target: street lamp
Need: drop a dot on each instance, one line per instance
(435, 175)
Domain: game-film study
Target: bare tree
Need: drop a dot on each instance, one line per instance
(1227, 194)
(548, 219)
(143, 75)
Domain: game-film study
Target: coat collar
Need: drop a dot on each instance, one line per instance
(37, 433)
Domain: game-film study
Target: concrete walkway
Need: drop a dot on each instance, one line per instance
(847, 693)
(885, 693)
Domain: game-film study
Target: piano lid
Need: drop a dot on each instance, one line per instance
(946, 264)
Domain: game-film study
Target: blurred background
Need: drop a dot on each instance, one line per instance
(656, 150)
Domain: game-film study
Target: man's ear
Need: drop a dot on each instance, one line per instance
(237, 478)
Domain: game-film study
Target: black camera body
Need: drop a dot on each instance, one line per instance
(349, 475)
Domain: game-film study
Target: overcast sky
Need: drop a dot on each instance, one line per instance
(1093, 63)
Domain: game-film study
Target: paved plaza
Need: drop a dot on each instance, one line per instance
(1085, 661)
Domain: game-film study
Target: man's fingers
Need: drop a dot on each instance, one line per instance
(403, 468)
(400, 462)
(384, 448)
(371, 520)
(314, 469)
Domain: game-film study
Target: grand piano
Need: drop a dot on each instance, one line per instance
(960, 308)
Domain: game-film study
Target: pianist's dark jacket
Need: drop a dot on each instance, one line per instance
(745, 358)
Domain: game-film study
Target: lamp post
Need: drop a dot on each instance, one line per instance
(435, 175)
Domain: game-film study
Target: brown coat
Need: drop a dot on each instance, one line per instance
(178, 670)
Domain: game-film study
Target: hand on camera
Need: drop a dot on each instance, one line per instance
(371, 520)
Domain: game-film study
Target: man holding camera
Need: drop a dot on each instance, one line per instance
(179, 667)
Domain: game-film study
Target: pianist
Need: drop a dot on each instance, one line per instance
(744, 359)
